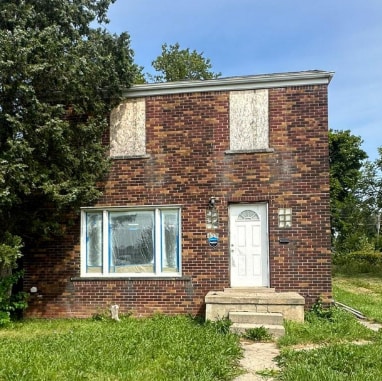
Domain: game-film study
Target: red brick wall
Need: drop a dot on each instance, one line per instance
(187, 139)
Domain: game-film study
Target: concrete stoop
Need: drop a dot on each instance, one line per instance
(255, 303)
(271, 321)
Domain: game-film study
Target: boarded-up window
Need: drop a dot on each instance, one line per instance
(249, 120)
(128, 129)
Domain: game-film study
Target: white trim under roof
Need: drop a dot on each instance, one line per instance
(250, 82)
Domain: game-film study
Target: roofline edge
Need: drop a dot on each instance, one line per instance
(252, 82)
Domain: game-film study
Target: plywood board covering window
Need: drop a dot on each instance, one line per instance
(249, 120)
(128, 129)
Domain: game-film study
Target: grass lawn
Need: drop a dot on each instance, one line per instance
(345, 349)
(362, 292)
(337, 362)
(165, 348)
(158, 348)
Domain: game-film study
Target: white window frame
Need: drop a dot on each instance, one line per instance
(158, 243)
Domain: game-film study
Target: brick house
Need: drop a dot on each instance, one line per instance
(214, 184)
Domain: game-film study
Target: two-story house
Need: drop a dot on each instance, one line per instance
(214, 184)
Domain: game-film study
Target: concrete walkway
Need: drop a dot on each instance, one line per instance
(370, 325)
(258, 357)
(261, 356)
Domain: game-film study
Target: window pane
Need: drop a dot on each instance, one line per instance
(285, 217)
(170, 241)
(131, 245)
(94, 242)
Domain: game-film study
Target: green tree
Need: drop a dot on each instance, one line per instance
(177, 64)
(372, 182)
(347, 209)
(59, 78)
(370, 190)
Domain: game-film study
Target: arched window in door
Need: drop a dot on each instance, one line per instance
(248, 215)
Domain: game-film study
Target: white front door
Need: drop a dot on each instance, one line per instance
(249, 245)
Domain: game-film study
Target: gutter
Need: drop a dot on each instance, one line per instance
(251, 82)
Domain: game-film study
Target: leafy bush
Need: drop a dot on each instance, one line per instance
(10, 252)
(4, 318)
(258, 334)
(363, 261)
(221, 325)
(319, 311)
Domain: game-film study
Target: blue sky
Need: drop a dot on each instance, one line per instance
(246, 37)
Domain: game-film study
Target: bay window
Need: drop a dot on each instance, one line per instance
(130, 242)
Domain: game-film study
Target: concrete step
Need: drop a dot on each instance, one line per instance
(249, 290)
(265, 298)
(275, 330)
(220, 303)
(250, 317)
